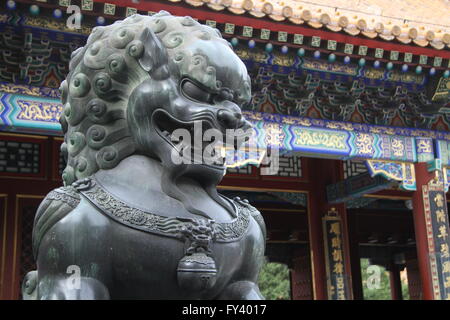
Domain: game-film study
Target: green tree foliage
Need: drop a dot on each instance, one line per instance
(381, 290)
(274, 281)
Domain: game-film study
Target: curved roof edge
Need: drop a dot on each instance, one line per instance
(406, 21)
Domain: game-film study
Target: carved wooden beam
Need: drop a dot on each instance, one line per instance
(355, 187)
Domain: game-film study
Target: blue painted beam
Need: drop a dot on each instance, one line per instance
(355, 187)
(37, 110)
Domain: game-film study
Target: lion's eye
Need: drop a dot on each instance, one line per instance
(194, 92)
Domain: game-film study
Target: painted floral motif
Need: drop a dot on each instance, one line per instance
(364, 143)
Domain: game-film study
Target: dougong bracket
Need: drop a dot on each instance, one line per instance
(402, 172)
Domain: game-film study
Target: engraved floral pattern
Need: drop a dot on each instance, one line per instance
(173, 227)
(67, 195)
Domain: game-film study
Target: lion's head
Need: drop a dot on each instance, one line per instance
(138, 80)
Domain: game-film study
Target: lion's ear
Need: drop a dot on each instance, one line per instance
(155, 54)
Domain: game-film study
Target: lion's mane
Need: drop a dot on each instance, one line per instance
(104, 73)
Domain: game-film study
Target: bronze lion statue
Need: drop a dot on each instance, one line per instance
(130, 222)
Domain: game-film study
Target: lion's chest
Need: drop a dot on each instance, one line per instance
(147, 249)
(147, 265)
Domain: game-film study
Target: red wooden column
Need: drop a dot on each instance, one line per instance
(319, 174)
(395, 282)
(414, 282)
(355, 259)
(322, 173)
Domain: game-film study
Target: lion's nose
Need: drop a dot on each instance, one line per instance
(230, 119)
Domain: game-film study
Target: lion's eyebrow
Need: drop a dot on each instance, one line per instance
(201, 84)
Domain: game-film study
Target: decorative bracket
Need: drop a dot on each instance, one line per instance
(355, 187)
(434, 165)
(399, 171)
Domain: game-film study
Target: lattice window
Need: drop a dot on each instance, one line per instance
(354, 167)
(290, 166)
(301, 278)
(243, 170)
(26, 257)
(19, 157)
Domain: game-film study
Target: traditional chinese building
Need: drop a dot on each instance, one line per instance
(353, 94)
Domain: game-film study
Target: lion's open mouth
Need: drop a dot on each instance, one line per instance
(189, 140)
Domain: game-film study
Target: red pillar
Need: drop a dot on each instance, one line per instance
(320, 170)
(323, 173)
(317, 251)
(395, 282)
(422, 178)
(355, 259)
(414, 282)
